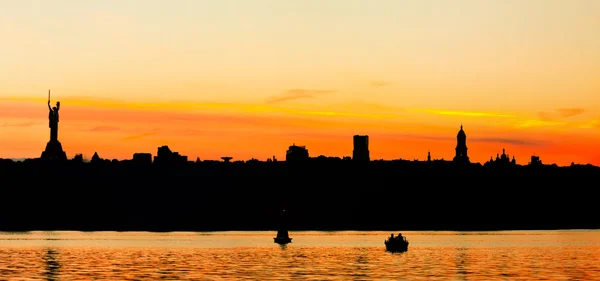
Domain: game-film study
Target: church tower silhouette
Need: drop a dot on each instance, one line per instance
(461, 147)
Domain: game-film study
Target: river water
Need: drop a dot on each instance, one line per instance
(510, 255)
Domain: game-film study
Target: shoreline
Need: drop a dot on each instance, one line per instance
(310, 230)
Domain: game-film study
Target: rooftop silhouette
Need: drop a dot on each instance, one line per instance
(168, 192)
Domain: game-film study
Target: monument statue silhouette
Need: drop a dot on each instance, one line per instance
(54, 148)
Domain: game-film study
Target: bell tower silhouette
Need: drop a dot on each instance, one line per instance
(461, 147)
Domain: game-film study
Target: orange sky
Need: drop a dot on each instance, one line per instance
(249, 78)
(211, 130)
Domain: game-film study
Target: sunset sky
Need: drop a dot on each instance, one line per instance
(249, 78)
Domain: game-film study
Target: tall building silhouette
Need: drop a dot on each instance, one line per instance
(535, 161)
(461, 147)
(361, 148)
(296, 154)
(165, 155)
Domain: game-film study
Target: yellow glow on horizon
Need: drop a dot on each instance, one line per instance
(95, 126)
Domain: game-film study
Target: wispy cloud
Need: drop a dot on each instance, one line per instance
(139, 136)
(560, 113)
(511, 141)
(570, 112)
(545, 116)
(297, 94)
(379, 84)
(593, 124)
(463, 113)
(104, 129)
(530, 123)
(336, 113)
(554, 118)
(418, 137)
(20, 124)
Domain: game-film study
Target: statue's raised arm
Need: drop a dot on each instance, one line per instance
(56, 111)
(49, 107)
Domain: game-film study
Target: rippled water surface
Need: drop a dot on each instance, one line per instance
(514, 255)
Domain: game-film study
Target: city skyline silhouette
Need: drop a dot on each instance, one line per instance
(299, 139)
(360, 151)
(234, 187)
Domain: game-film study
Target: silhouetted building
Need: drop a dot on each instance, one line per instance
(226, 159)
(461, 147)
(78, 158)
(502, 160)
(361, 148)
(166, 156)
(96, 158)
(428, 156)
(296, 153)
(142, 158)
(535, 161)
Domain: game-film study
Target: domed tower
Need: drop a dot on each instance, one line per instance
(461, 147)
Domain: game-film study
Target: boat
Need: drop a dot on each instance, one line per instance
(396, 244)
(282, 237)
(282, 234)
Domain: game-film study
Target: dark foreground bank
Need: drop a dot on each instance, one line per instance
(317, 196)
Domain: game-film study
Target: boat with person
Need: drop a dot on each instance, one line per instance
(396, 244)
(283, 236)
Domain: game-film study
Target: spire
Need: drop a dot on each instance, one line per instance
(461, 126)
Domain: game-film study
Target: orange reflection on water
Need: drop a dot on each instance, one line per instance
(530, 255)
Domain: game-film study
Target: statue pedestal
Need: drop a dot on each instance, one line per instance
(54, 151)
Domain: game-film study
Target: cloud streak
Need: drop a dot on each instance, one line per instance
(511, 141)
(464, 113)
(560, 113)
(593, 124)
(417, 137)
(104, 129)
(20, 124)
(295, 94)
(139, 136)
(570, 112)
(532, 123)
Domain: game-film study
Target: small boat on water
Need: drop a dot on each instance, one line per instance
(282, 237)
(396, 244)
(282, 234)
